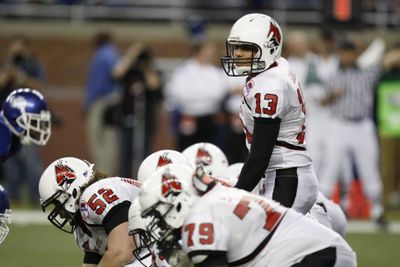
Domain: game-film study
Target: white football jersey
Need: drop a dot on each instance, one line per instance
(252, 230)
(95, 203)
(276, 93)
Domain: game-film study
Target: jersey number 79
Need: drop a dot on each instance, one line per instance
(206, 233)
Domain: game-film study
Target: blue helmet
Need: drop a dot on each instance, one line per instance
(5, 214)
(26, 115)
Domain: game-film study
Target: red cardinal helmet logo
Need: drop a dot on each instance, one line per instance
(203, 157)
(64, 175)
(163, 160)
(276, 33)
(170, 185)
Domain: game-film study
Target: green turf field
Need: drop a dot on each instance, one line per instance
(380, 249)
(39, 246)
(46, 246)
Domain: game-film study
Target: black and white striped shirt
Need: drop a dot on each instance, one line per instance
(356, 102)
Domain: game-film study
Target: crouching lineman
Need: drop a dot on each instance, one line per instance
(325, 211)
(145, 250)
(223, 226)
(92, 206)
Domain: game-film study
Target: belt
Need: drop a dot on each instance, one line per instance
(289, 146)
(288, 171)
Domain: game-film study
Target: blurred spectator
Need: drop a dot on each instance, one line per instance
(141, 93)
(305, 63)
(194, 95)
(327, 65)
(388, 107)
(22, 69)
(233, 145)
(101, 92)
(229, 136)
(350, 98)
(313, 71)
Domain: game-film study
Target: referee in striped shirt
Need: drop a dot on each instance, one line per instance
(350, 96)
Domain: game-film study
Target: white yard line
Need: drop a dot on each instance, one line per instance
(24, 217)
(356, 226)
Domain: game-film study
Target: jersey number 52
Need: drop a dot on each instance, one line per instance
(97, 204)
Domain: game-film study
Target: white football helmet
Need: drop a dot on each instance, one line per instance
(159, 159)
(254, 32)
(207, 155)
(168, 195)
(233, 171)
(59, 186)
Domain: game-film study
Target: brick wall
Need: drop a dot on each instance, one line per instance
(66, 62)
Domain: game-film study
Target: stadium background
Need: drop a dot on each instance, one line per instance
(60, 36)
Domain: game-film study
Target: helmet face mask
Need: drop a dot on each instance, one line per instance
(161, 233)
(157, 232)
(235, 66)
(143, 244)
(5, 219)
(37, 127)
(5, 214)
(137, 228)
(59, 216)
(157, 225)
(3, 231)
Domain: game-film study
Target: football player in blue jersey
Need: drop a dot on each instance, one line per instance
(24, 119)
(5, 214)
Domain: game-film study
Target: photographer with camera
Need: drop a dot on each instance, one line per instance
(21, 68)
(141, 93)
